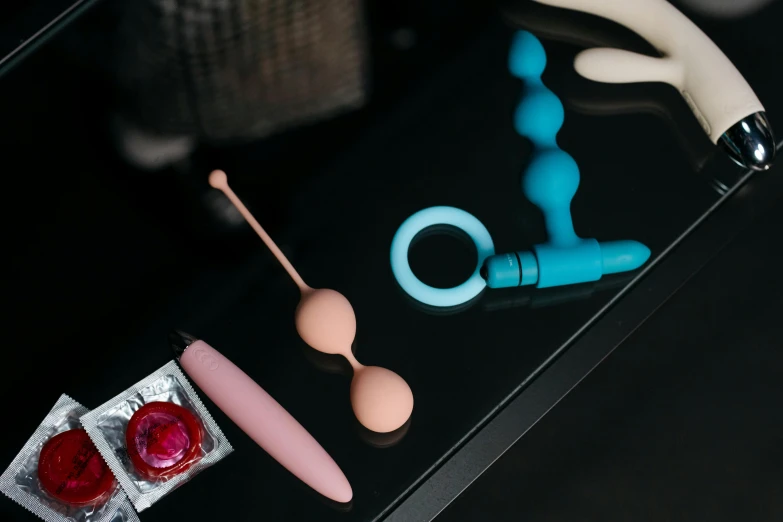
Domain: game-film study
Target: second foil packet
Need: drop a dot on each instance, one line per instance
(156, 435)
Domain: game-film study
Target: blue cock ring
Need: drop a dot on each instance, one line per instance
(441, 297)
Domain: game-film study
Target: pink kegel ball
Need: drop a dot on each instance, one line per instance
(381, 400)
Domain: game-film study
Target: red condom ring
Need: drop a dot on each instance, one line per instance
(70, 469)
(163, 439)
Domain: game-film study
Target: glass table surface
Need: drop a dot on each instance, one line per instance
(647, 173)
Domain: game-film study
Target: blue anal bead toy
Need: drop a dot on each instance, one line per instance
(550, 182)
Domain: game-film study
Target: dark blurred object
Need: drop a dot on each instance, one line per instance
(178, 78)
(238, 70)
(726, 8)
(176, 89)
(241, 69)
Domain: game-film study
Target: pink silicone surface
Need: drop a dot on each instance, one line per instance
(382, 401)
(264, 420)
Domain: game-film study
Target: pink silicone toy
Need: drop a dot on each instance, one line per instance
(382, 401)
(264, 420)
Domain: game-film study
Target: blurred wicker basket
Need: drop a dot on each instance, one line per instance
(237, 69)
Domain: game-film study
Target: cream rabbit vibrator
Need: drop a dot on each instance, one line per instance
(723, 102)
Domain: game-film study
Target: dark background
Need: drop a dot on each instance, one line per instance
(105, 260)
(682, 422)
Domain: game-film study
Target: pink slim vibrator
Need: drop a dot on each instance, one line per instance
(260, 416)
(381, 400)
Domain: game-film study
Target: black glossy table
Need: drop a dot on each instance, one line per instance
(682, 421)
(26, 25)
(481, 376)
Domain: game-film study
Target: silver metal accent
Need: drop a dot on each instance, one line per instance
(750, 142)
